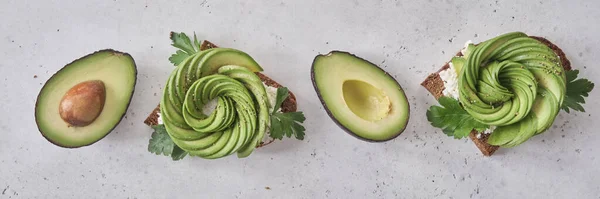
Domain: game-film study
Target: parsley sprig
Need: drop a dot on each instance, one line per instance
(453, 119)
(577, 89)
(285, 124)
(161, 144)
(186, 47)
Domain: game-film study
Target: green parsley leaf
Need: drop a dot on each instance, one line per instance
(161, 144)
(185, 44)
(286, 124)
(178, 57)
(453, 119)
(197, 43)
(178, 153)
(577, 89)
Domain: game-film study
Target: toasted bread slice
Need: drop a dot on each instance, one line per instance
(434, 84)
(288, 105)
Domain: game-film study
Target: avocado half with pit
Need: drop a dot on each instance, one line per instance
(360, 97)
(86, 99)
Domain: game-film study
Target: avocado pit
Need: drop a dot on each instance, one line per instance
(83, 103)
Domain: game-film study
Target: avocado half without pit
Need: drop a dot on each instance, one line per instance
(360, 97)
(86, 99)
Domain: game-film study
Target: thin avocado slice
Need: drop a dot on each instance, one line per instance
(514, 134)
(458, 63)
(545, 109)
(360, 97)
(117, 72)
(217, 57)
(468, 50)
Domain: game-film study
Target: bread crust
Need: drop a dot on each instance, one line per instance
(434, 84)
(288, 105)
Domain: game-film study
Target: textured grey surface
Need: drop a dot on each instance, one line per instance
(410, 39)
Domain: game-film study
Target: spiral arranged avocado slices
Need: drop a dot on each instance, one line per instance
(238, 123)
(514, 82)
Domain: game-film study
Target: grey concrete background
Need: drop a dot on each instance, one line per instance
(410, 39)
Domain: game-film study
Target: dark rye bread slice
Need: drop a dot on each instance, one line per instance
(434, 84)
(288, 105)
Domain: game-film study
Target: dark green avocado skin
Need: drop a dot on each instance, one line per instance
(312, 77)
(84, 57)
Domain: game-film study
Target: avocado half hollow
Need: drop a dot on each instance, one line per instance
(288, 105)
(360, 97)
(111, 73)
(434, 84)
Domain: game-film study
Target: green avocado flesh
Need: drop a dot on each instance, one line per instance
(116, 70)
(360, 97)
(514, 82)
(238, 123)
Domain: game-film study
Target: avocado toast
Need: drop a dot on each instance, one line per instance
(217, 103)
(504, 91)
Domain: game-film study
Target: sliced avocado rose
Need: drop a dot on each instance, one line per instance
(216, 103)
(238, 123)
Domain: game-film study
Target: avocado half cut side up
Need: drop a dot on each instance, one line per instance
(360, 97)
(86, 99)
